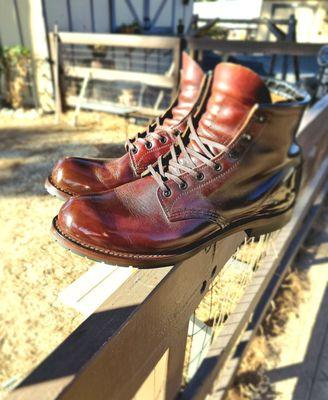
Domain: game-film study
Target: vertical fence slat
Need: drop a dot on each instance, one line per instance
(177, 351)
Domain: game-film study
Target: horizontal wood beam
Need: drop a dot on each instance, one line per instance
(252, 47)
(312, 137)
(120, 40)
(111, 75)
(115, 108)
(230, 369)
(110, 355)
(222, 347)
(258, 21)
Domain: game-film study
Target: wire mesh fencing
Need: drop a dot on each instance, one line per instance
(221, 299)
(120, 92)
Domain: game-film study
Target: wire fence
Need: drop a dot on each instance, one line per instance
(221, 299)
(157, 61)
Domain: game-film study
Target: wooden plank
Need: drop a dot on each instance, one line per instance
(106, 106)
(175, 363)
(129, 333)
(176, 66)
(231, 366)
(314, 146)
(55, 57)
(252, 47)
(119, 40)
(218, 354)
(113, 75)
(154, 387)
(92, 288)
(259, 21)
(312, 378)
(314, 121)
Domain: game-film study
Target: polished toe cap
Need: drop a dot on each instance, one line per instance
(77, 175)
(89, 222)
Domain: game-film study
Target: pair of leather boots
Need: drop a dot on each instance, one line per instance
(223, 158)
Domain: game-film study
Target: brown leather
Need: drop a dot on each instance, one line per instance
(235, 90)
(74, 175)
(252, 184)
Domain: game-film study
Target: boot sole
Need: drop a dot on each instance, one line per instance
(55, 191)
(252, 228)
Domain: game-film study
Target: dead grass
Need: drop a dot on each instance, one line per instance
(265, 350)
(251, 380)
(227, 289)
(33, 267)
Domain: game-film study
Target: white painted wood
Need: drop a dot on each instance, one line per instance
(42, 69)
(113, 75)
(89, 291)
(227, 9)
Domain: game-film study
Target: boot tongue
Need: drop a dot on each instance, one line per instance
(190, 82)
(235, 90)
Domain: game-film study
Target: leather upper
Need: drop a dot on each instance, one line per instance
(139, 218)
(75, 175)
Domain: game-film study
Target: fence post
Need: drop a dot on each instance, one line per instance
(56, 66)
(177, 351)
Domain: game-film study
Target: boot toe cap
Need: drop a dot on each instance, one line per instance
(76, 176)
(80, 219)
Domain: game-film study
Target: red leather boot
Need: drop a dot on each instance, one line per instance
(73, 175)
(237, 168)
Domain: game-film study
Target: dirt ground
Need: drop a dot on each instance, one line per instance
(34, 268)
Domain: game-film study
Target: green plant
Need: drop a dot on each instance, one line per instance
(14, 66)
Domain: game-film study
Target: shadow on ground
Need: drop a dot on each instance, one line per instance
(28, 154)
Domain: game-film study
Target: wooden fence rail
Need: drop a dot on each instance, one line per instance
(252, 47)
(144, 323)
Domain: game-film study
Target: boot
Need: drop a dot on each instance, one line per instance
(237, 168)
(73, 175)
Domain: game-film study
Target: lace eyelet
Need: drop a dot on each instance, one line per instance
(163, 139)
(247, 136)
(183, 185)
(218, 167)
(200, 176)
(233, 154)
(135, 150)
(149, 145)
(167, 193)
(260, 118)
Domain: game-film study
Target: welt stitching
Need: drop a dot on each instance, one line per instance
(61, 189)
(193, 211)
(198, 213)
(110, 252)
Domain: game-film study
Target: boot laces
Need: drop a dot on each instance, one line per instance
(178, 164)
(160, 133)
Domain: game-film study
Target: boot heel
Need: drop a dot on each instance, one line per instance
(269, 225)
